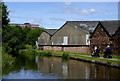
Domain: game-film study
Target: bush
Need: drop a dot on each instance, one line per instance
(35, 47)
(65, 55)
(7, 59)
(45, 53)
(28, 47)
(49, 53)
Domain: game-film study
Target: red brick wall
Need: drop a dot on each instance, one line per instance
(77, 49)
(116, 43)
(100, 39)
(82, 49)
(52, 48)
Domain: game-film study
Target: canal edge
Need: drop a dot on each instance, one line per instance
(91, 61)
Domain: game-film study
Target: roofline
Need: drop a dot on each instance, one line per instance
(116, 31)
(49, 29)
(95, 21)
(82, 21)
(81, 28)
(103, 29)
(46, 32)
(61, 27)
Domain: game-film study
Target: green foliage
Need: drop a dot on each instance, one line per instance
(33, 35)
(14, 38)
(5, 13)
(7, 60)
(28, 46)
(65, 55)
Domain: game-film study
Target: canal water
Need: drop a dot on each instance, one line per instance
(37, 67)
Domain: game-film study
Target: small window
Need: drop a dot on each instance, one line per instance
(87, 40)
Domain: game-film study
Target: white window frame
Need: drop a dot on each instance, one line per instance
(87, 40)
(65, 40)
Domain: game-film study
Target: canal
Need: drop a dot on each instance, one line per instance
(37, 67)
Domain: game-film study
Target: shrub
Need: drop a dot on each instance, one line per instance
(45, 53)
(49, 53)
(35, 47)
(7, 59)
(65, 55)
(28, 47)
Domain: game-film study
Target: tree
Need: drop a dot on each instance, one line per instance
(14, 37)
(33, 36)
(5, 13)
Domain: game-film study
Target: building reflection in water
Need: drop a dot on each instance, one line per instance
(65, 69)
(73, 69)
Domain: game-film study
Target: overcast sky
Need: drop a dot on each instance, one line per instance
(55, 14)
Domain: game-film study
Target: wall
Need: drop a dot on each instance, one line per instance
(100, 39)
(76, 49)
(44, 39)
(116, 43)
(76, 36)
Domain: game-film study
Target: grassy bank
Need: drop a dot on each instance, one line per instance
(32, 50)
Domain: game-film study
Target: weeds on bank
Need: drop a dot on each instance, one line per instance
(65, 55)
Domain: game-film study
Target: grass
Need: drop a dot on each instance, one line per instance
(60, 53)
(89, 54)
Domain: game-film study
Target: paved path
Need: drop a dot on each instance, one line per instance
(100, 57)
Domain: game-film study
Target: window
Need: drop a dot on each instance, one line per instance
(65, 40)
(87, 40)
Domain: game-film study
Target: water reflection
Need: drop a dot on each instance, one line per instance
(37, 67)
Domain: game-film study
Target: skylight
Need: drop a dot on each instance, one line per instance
(83, 25)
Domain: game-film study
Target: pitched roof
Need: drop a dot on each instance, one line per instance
(110, 26)
(85, 25)
(50, 31)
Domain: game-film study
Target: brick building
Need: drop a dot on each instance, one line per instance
(73, 36)
(106, 33)
(32, 26)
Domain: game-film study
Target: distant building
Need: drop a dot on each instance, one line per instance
(32, 26)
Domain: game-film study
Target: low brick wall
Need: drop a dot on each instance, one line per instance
(81, 49)
(52, 48)
(76, 49)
